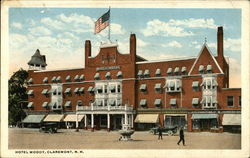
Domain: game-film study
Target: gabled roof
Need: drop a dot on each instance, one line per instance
(202, 55)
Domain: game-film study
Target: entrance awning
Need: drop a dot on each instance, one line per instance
(231, 119)
(53, 118)
(72, 118)
(204, 116)
(147, 118)
(33, 119)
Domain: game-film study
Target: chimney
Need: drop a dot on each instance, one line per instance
(133, 47)
(87, 51)
(220, 42)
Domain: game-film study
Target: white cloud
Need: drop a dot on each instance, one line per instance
(17, 41)
(194, 23)
(173, 44)
(141, 43)
(117, 29)
(17, 25)
(162, 56)
(40, 31)
(160, 28)
(235, 73)
(232, 44)
(194, 42)
(56, 24)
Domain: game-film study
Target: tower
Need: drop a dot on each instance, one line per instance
(37, 61)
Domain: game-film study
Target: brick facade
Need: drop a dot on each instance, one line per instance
(110, 60)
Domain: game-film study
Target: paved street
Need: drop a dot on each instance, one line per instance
(69, 139)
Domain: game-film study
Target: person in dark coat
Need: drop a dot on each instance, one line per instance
(160, 133)
(181, 137)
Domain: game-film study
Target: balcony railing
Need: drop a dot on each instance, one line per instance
(104, 108)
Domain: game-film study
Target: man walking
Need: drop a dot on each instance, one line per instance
(160, 133)
(181, 137)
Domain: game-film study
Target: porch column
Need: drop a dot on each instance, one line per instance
(92, 122)
(108, 122)
(77, 122)
(126, 119)
(132, 121)
(85, 121)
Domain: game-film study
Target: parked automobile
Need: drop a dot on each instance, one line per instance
(170, 130)
(48, 128)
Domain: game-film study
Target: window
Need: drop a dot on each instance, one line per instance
(112, 88)
(158, 72)
(114, 58)
(45, 80)
(176, 71)
(68, 78)
(184, 70)
(99, 89)
(108, 75)
(196, 124)
(209, 68)
(214, 123)
(139, 74)
(146, 73)
(143, 103)
(173, 85)
(239, 100)
(143, 88)
(79, 103)
(119, 74)
(157, 103)
(105, 102)
(195, 102)
(119, 88)
(230, 101)
(158, 87)
(103, 59)
(169, 72)
(105, 89)
(201, 69)
(97, 76)
(195, 86)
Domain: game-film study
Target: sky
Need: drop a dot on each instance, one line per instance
(162, 33)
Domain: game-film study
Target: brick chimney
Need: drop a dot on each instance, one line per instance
(133, 47)
(220, 42)
(87, 51)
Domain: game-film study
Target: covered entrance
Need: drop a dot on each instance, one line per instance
(204, 122)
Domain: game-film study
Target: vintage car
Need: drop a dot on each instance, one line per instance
(48, 128)
(170, 130)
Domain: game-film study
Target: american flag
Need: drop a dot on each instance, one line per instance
(102, 22)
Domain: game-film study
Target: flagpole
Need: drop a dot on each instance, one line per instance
(109, 24)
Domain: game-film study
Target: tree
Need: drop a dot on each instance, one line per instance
(17, 95)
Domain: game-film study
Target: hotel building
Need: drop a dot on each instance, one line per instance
(115, 89)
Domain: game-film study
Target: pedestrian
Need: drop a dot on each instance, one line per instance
(160, 133)
(181, 137)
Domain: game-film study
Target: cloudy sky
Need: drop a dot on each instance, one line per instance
(60, 33)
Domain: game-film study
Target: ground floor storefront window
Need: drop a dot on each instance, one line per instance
(144, 126)
(179, 121)
(204, 124)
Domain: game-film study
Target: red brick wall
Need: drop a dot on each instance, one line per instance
(222, 98)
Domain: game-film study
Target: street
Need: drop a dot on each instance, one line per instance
(24, 138)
